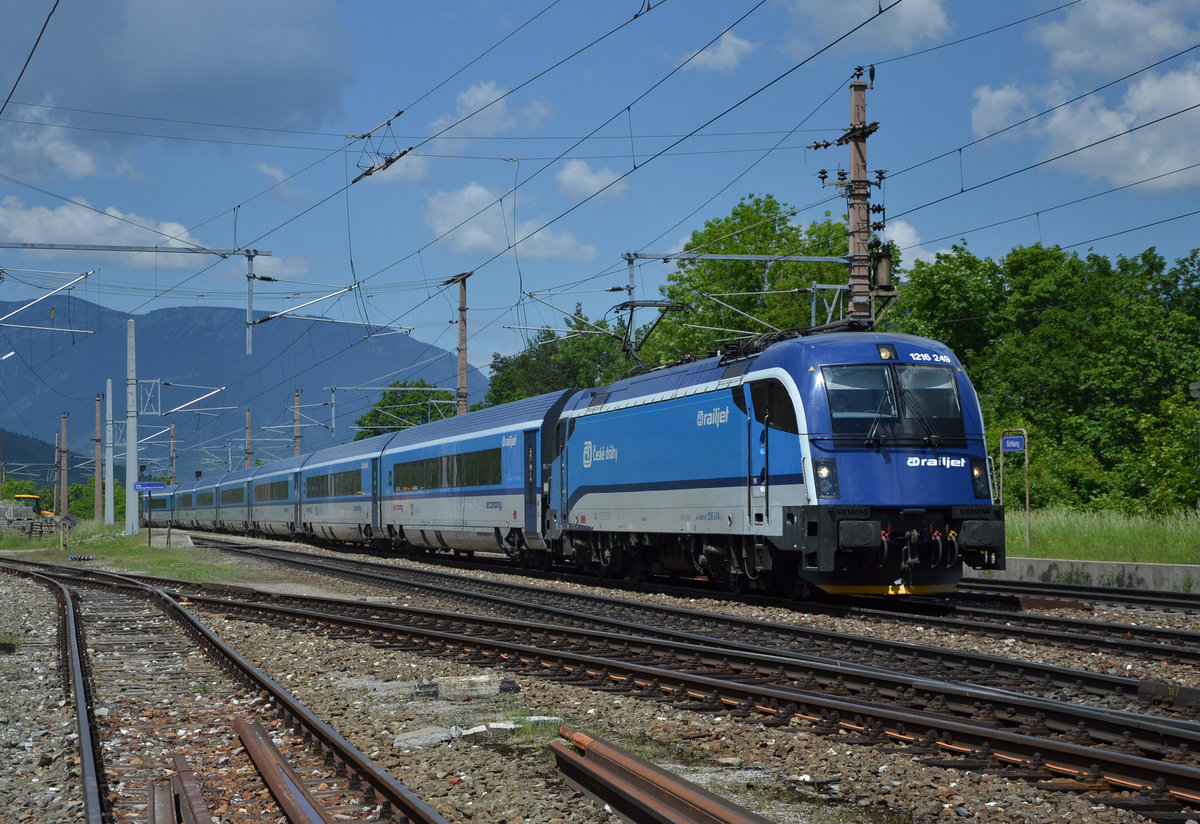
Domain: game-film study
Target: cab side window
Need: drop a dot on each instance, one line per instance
(772, 406)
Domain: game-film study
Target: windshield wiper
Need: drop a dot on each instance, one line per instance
(875, 440)
(932, 438)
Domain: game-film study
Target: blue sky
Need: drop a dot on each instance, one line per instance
(225, 124)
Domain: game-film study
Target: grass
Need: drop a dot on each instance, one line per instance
(107, 547)
(1105, 536)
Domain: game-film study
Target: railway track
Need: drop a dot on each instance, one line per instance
(1141, 762)
(170, 715)
(652, 620)
(1154, 643)
(1150, 599)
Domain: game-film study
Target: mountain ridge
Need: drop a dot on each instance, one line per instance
(183, 353)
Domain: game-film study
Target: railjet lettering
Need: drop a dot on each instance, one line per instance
(946, 462)
(597, 454)
(508, 440)
(713, 418)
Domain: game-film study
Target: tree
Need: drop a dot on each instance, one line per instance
(757, 296)
(81, 500)
(1089, 354)
(404, 404)
(957, 299)
(589, 355)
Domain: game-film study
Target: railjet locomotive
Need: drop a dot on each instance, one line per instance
(840, 463)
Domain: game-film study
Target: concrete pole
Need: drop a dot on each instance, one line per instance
(249, 304)
(296, 425)
(249, 451)
(131, 438)
(98, 486)
(109, 499)
(57, 475)
(462, 346)
(63, 463)
(172, 469)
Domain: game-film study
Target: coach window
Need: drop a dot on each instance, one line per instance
(773, 406)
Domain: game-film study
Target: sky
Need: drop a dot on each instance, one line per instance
(533, 142)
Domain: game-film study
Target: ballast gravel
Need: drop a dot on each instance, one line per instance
(788, 775)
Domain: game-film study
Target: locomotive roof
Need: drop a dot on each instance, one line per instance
(826, 347)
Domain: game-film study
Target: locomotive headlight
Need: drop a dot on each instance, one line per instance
(979, 479)
(827, 479)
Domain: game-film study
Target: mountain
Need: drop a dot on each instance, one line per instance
(29, 459)
(183, 353)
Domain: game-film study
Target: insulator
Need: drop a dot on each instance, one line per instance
(876, 207)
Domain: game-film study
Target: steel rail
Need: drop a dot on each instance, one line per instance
(379, 782)
(637, 790)
(1158, 598)
(1019, 750)
(178, 799)
(74, 671)
(947, 659)
(300, 806)
(1134, 640)
(1150, 733)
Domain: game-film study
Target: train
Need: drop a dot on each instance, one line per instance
(842, 463)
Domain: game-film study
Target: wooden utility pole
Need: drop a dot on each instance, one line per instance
(461, 280)
(98, 497)
(858, 201)
(296, 425)
(857, 190)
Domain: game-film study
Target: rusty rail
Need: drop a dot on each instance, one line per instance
(638, 790)
(177, 800)
(286, 786)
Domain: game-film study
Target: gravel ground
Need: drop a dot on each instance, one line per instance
(788, 775)
(39, 781)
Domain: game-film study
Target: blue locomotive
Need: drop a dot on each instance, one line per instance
(843, 463)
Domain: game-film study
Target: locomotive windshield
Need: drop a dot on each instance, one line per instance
(906, 403)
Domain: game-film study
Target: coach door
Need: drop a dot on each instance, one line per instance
(296, 525)
(757, 460)
(375, 496)
(533, 483)
(774, 418)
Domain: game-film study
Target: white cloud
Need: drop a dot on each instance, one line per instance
(75, 224)
(537, 112)
(38, 152)
(1158, 149)
(579, 180)
(494, 119)
(484, 230)
(906, 25)
(996, 108)
(1109, 36)
(283, 189)
(905, 237)
(485, 105)
(724, 55)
